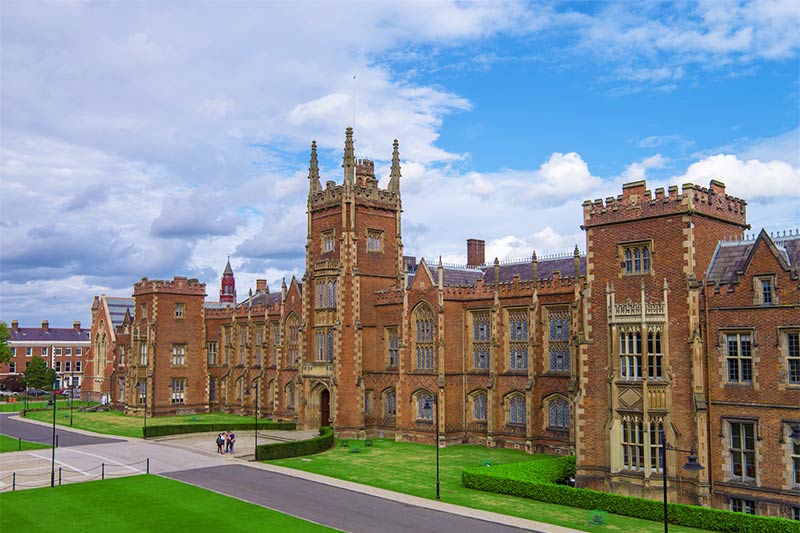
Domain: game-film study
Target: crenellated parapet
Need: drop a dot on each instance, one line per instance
(178, 285)
(636, 202)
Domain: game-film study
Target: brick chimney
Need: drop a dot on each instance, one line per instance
(476, 252)
(261, 285)
(45, 326)
(77, 326)
(14, 326)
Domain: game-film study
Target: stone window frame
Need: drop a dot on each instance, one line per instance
(631, 252)
(178, 391)
(655, 426)
(742, 505)
(290, 393)
(143, 354)
(424, 337)
(180, 310)
(211, 352)
(478, 404)
(238, 386)
(326, 293)
(374, 241)
(515, 409)
(765, 289)
(275, 333)
(740, 359)
(324, 345)
(728, 451)
(328, 241)
(791, 474)
(29, 352)
(78, 366)
(557, 363)
(418, 400)
(632, 443)
(391, 341)
(12, 367)
(552, 405)
(57, 367)
(789, 352)
(518, 338)
(178, 354)
(480, 339)
(389, 402)
(292, 340)
(44, 350)
(656, 357)
(368, 402)
(629, 352)
(68, 366)
(212, 389)
(141, 389)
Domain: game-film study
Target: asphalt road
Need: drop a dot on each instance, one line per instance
(331, 506)
(44, 434)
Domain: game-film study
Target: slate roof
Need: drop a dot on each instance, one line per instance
(731, 258)
(53, 335)
(260, 298)
(117, 308)
(215, 305)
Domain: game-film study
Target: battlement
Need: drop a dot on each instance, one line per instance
(367, 190)
(178, 285)
(637, 202)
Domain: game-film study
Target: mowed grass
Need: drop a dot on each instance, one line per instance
(19, 405)
(139, 503)
(411, 469)
(10, 444)
(116, 423)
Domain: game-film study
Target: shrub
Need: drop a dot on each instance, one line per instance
(508, 480)
(179, 429)
(282, 450)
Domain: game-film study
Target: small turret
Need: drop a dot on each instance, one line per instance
(394, 181)
(227, 289)
(314, 185)
(349, 164)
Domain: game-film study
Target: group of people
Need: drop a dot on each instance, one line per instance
(226, 440)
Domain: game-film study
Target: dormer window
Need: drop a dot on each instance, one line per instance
(764, 289)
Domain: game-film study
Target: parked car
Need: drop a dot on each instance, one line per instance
(8, 393)
(71, 393)
(37, 392)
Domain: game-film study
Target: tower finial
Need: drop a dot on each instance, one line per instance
(394, 182)
(313, 171)
(349, 164)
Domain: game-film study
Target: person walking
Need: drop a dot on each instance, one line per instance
(227, 442)
(232, 439)
(220, 442)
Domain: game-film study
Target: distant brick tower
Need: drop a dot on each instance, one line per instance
(227, 289)
(353, 249)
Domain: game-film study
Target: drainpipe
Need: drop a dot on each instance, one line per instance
(708, 393)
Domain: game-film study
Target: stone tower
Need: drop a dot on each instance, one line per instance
(353, 249)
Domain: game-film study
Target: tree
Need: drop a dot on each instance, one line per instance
(5, 351)
(38, 375)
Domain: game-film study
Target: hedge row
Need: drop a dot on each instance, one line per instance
(494, 479)
(178, 429)
(282, 450)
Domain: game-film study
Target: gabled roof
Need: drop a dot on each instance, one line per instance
(117, 307)
(732, 258)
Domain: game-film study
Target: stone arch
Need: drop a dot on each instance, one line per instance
(316, 409)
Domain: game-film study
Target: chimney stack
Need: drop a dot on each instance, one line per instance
(77, 326)
(45, 326)
(14, 326)
(261, 285)
(476, 252)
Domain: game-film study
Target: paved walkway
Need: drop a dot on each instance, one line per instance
(192, 458)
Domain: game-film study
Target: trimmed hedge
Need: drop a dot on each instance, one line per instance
(282, 450)
(506, 479)
(179, 429)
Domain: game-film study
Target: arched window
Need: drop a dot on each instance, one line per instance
(558, 413)
(239, 389)
(290, 399)
(389, 403)
(478, 406)
(425, 405)
(517, 412)
(293, 334)
(423, 321)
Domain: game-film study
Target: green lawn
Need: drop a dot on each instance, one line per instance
(7, 407)
(411, 468)
(138, 503)
(116, 423)
(10, 444)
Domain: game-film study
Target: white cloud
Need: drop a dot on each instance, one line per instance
(749, 179)
(638, 170)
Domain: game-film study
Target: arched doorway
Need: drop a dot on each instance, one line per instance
(325, 407)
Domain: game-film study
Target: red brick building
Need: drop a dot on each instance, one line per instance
(63, 349)
(589, 354)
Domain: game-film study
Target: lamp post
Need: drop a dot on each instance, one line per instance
(691, 464)
(255, 452)
(71, 391)
(143, 385)
(427, 406)
(53, 462)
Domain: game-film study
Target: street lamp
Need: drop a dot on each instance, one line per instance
(71, 391)
(427, 406)
(691, 464)
(256, 432)
(53, 463)
(143, 387)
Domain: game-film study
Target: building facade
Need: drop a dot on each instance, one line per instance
(63, 349)
(671, 321)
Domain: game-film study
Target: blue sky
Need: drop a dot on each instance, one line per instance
(143, 141)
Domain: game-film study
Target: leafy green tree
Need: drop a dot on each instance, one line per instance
(5, 351)
(38, 375)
